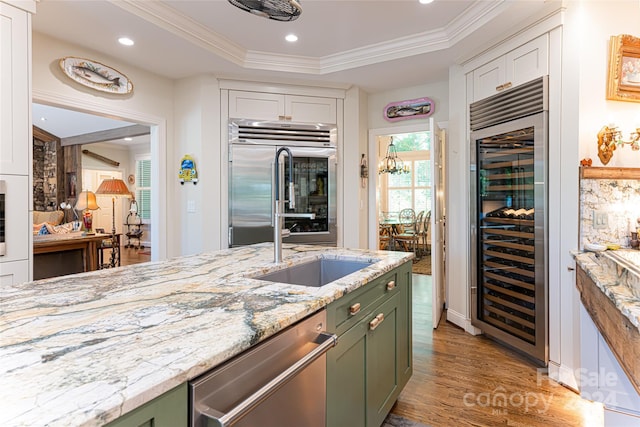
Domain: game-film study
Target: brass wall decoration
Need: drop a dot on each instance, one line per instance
(609, 138)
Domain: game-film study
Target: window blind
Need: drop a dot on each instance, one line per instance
(143, 188)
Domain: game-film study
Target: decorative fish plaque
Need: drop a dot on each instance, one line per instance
(410, 109)
(95, 75)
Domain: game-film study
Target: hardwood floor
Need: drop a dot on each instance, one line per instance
(464, 380)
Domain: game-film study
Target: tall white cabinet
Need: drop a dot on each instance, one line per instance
(522, 57)
(16, 138)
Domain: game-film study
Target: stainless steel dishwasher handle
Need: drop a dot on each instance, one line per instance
(217, 419)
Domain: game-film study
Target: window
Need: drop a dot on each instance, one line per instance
(143, 187)
(412, 190)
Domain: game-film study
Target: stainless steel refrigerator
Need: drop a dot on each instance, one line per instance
(509, 290)
(252, 149)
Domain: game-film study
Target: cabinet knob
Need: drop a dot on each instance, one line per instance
(391, 285)
(355, 308)
(376, 321)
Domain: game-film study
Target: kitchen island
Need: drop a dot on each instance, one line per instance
(88, 348)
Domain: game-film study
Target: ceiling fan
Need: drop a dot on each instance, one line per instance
(279, 10)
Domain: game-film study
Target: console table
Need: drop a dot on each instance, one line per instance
(60, 254)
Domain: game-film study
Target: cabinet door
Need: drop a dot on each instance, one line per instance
(12, 273)
(16, 224)
(256, 105)
(346, 385)
(518, 66)
(488, 78)
(527, 62)
(404, 342)
(382, 360)
(310, 109)
(168, 410)
(15, 48)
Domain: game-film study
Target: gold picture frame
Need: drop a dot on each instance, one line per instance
(623, 83)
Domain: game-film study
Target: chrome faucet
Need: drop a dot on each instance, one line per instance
(278, 213)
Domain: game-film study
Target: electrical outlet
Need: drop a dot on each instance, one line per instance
(600, 219)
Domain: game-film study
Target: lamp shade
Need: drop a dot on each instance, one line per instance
(86, 200)
(113, 187)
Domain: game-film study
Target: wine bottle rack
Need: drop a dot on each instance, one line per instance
(507, 239)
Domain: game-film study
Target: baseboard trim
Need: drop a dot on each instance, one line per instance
(461, 320)
(563, 375)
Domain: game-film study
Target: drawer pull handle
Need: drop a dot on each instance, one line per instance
(376, 321)
(507, 85)
(354, 309)
(499, 88)
(391, 285)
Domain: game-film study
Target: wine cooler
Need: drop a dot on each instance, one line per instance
(508, 225)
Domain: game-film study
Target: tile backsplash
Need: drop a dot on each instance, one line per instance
(615, 204)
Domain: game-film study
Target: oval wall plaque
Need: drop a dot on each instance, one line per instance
(411, 109)
(95, 75)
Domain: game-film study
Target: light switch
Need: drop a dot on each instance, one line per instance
(191, 206)
(600, 219)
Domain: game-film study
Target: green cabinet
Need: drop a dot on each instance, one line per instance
(167, 410)
(372, 361)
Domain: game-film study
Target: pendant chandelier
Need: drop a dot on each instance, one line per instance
(392, 163)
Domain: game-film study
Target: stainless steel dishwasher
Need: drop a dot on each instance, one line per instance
(280, 382)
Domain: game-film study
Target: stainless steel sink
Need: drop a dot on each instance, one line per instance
(315, 273)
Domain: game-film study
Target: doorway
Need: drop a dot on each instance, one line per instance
(433, 190)
(158, 150)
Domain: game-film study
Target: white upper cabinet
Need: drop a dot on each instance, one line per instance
(518, 66)
(310, 109)
(273, 106)
(15, 95)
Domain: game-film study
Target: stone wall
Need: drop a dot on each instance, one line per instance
(48, 175)
(617, 201)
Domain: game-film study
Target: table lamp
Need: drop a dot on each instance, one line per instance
(87, 203)
(113, 187)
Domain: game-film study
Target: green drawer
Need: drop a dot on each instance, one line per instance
(351, 308)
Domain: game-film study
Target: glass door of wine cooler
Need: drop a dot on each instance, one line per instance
(509, 234)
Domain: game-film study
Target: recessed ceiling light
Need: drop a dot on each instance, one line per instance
(425, 1)
(291, 38)
(125, 41)
(128, 139)
(43, 119)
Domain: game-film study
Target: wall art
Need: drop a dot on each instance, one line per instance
(623, 83)
(411, 109)
(95, 75)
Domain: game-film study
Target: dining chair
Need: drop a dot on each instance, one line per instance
(408, 235)
(385, 237)
(425, 236)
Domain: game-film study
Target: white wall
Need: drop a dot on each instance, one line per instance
(151, 103)
(597, 22)
(437, 91)
(354, 209)
(589, 26)
(198, 206)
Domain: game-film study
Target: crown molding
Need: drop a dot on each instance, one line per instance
(175, 22)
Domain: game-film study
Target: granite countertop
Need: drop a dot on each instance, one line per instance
(82, 350)
(617, 274)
